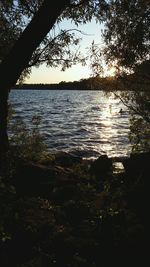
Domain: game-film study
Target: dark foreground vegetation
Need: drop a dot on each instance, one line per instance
(60, 210)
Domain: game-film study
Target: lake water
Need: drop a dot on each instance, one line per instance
(85, 123)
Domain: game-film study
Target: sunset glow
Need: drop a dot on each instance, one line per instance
(110, 71)
(45, 74)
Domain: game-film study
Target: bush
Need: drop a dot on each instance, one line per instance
(27, 144)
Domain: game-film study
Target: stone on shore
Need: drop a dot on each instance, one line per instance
(67, 160)
(101, 166)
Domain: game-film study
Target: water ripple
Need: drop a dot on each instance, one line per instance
(82, 122)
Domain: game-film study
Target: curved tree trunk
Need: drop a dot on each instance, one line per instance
(19, 56)
(3, 120)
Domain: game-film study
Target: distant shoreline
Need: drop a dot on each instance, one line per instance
(93, 84)
(81, 85)
(55, 88)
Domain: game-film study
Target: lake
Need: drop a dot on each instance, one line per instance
(85, 123)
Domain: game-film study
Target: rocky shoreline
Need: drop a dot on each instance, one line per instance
(75, 212)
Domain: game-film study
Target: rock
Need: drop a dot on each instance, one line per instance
(67, 160)
(137, 164)
(102, 165)
(65, 177)
(34, 179)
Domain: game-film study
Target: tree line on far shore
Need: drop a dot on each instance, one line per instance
(130, 82)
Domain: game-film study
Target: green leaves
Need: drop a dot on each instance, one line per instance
(28, 144)
(127, 32)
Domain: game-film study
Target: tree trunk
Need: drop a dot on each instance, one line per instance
(3, 130)
(19, 56)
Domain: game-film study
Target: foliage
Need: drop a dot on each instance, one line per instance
(10, 28)
(126, 46)
(127, 32)
(138, 104)
(140, 121)
(14, 16)
(139, 134)
(80, 230)
(24, 143)
(61, 46)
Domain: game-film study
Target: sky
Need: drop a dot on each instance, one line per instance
(44, 74)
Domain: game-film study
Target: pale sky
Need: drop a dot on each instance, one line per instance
(44, 74)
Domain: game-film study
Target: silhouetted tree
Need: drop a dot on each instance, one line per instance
(24, 49)
(127, 32)
(127, 45)
(20, 54)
